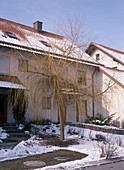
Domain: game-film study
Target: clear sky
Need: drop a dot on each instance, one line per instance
(104, 19)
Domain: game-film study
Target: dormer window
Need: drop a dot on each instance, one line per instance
(115, 60)
(11, 35)
(46, 43)
(97, 57)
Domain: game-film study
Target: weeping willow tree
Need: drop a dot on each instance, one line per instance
(55, 81)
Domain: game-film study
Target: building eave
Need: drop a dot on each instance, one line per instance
(41, 52)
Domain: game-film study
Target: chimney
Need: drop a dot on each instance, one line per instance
(38, 26)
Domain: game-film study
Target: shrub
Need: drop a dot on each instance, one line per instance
(99, 120)
(108, 119)
(100, 137)
(108, 149)
(72, 131)
(119, 142)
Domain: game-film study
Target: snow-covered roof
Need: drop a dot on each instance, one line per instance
(27, 38)
(115, 74)
(10, 82)
(117, 55)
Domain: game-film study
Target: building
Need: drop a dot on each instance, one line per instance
(112, 73)
(57, 77)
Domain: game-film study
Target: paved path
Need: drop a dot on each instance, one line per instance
(111, 166)
(106, 164)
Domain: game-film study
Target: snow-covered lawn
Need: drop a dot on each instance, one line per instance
(85, 137)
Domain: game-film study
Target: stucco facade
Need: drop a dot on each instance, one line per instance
(35, 89)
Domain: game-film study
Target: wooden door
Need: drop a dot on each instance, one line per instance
(3, 108)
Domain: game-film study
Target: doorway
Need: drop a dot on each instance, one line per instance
(3, 108)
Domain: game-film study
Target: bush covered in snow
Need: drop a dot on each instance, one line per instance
(99, 120)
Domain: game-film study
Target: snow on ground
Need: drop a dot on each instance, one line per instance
(26, 148)
(86, 145)
(3, 134)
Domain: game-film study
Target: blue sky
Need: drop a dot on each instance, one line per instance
(103, 19)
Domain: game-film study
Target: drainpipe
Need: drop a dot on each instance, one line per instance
(93, 109)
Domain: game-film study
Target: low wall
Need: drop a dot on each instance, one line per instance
(106, 129)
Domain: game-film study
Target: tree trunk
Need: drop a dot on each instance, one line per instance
(61, 124)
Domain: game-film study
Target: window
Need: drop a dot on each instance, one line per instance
(11, 35)
(81, 77)
(46, 43)
(46, 103)
(97, 57)
(23, 65)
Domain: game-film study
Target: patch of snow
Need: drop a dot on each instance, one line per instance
(20, 127)
(117, 55)
(116, 74)
(31, 146)
(3, 134)
(84, 136)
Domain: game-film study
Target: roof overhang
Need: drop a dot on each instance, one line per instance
(11, 82)
(54, 55)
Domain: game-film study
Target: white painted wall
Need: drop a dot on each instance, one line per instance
(52, 114)
(30, 83)
(113, 100)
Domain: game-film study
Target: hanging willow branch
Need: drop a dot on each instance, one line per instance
(20, 103)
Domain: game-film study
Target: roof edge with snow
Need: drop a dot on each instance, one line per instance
(107, 71)
(90, 48)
